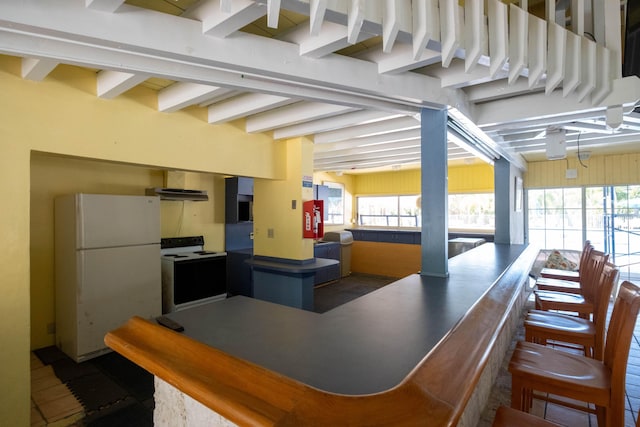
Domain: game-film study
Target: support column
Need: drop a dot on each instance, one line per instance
(502, 189)
(434, 181)
(283, 264)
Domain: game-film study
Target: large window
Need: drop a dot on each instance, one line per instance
(472, 211)
(466, 211)
(389, 211)
(555, 218)
(563, 218)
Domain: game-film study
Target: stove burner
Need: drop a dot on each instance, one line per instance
(176, 256)
(204, 252)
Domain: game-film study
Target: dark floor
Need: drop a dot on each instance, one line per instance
(112, 391)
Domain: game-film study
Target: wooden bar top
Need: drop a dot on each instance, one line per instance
(411, 351)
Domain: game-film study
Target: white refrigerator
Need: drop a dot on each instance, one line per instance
(107, 264)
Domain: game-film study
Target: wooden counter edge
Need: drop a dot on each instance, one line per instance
(437, 390)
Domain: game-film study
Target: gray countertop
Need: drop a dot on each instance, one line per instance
(365, 346)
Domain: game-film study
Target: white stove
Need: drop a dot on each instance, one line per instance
(191, 276)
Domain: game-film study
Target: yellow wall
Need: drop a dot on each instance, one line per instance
(618, 169)
(61, 115)
(273, 210)
(477, 178)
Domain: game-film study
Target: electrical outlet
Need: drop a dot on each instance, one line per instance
(270, 233)
(571, 173)
(251, 235)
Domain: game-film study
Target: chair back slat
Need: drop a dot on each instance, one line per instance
(584, 256)
(589, 280)
(608, 280)
(618, 342)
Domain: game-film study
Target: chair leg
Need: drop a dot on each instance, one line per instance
(517, 395)
(602, 414)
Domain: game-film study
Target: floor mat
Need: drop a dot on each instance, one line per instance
(96, 391)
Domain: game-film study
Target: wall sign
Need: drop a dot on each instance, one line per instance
(307, 181)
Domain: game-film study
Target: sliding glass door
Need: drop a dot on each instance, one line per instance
(563, 218)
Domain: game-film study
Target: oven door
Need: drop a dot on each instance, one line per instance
(198, 279)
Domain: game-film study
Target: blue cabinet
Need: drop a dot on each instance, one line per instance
(239, 280)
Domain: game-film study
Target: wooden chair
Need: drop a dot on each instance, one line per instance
(544, 326)
(509, 417)
(573, 285)
(547, 370)
(583, 303)
(555, 273)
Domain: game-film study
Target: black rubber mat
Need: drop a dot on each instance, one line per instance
(67, 370)
(112, 390)
(96, 391)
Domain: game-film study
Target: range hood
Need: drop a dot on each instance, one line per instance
(178, 194)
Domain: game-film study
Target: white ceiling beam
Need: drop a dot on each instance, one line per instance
(317, 10)
(475, 33)
(366, 164)
(577, 17)
(401, 59)
(330, 123)
(379, 127)
(113, 83)
(104, 5)
(380, 139)
(37, 69)
(396, 14)
(573, 60)
(184, 94)
(333, 37)
(379, 150)
(518, 33)
(498, 36)
(537, 49)
(292, 114)
(555, 56)
(607, 25)
(217, 22)
(498, 89)
(587, 69)
(528, 110)
(456, 76)
(86, 38)
(386, 138)
(356, 18)
(245, 105)
(605, 71)
(273, 12)
(426, 25)
(450, 29)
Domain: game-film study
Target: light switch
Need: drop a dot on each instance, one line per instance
(572, 173)
(293, 204)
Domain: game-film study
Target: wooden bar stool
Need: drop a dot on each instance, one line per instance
(582, 303)
(569, 285)
(555, 273)
(544, 326)
(535, 367)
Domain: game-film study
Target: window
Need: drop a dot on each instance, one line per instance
(563, 218)
(466, 211)
(335, 203)
(472, 211)
(389, 211)
(555, 218)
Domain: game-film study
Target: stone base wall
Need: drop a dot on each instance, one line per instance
(175, 409)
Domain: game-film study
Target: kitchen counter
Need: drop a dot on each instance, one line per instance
(342, 350)
(397, 348)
